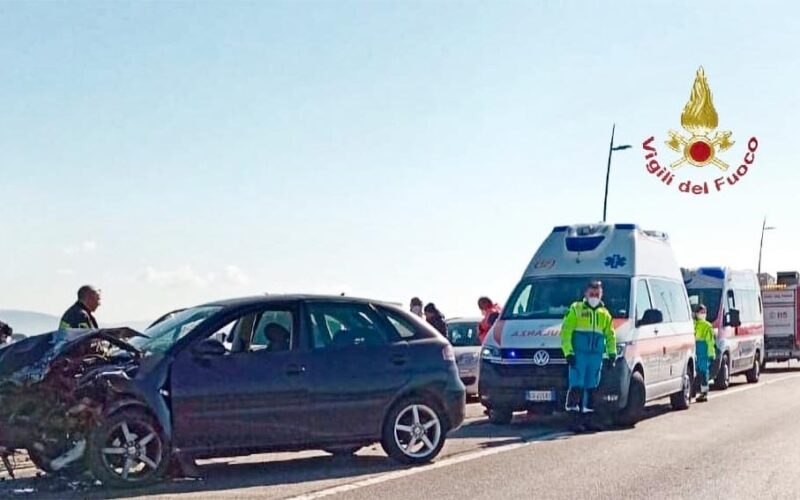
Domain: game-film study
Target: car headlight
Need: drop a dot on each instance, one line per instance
(621, 349)
(490, 353)
(468, 358)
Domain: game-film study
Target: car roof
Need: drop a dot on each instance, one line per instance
(270, 298)
(463, 320)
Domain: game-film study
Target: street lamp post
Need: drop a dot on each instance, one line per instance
(611, 149)
(764, 228)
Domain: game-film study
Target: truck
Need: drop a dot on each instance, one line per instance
(781, 334)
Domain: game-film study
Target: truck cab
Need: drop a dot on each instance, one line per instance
(781, 334)
(736, 311)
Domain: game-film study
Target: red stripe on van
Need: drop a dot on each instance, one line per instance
(656, 344)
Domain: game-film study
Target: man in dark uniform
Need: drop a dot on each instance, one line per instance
(79, 315)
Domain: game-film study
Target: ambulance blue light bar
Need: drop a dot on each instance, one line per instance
(624, 227)
(713, 272)
(583, 243)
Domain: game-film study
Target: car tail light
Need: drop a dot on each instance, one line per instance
(448, 353)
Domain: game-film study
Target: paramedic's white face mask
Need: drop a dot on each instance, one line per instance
(593, 301)
(701, 316)
(416, 310)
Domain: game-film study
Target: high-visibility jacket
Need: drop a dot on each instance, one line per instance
(77, 316)
(704, 339)
(588, 330)
(489, 318)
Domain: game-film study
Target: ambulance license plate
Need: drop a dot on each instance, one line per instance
(540, 396)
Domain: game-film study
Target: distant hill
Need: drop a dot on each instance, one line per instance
(34, 323)
(28, 322)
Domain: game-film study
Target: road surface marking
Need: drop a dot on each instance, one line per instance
(466, 457)
(737, 390)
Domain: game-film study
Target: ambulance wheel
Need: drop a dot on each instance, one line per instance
(723, 379)
(634, 409)
(682, 400)
(754, 373)
(500, 416)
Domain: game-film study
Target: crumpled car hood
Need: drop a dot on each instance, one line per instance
(28, 361)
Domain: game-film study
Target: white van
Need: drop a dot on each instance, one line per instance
(733, 300)
(522, 364)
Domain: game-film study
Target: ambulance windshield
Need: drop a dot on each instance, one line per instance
(709, 297)
(549, 298)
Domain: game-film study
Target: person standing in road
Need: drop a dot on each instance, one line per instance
(704, 347)
(80, 314)
(490, 312)
(435, 318)
(416, 307)
(587, 334)
(5, 333)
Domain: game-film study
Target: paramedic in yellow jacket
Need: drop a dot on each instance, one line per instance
(587, 335)
(704, 348)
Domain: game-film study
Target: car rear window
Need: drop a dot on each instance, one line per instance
(406, 325)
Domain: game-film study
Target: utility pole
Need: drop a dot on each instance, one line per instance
(764, 228)
(611, 149)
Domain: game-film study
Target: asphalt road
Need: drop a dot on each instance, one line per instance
(743, 442)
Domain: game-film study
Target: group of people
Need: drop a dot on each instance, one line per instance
(588, 341)
(429, 313)
(490, 312)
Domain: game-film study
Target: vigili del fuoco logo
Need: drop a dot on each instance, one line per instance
(702, 146)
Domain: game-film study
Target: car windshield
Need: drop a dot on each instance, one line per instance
(463, 334)
(709, 297)
(163, 335)
(550, 298)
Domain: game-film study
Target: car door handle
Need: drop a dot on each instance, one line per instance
(655, 330)
(399, 359)
(295, 369)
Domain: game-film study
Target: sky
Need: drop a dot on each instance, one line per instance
(173, 153)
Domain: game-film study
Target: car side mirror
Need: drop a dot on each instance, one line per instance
(651, 317)
(732, 318)
(209, 348)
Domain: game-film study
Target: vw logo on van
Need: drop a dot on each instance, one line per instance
(541, 358)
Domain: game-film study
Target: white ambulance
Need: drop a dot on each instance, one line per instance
(522, 364)
(733, 300)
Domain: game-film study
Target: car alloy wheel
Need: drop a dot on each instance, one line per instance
(132, 450)
(417, 431)
(128, 450)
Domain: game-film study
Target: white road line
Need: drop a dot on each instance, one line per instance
(737, 390)
(467, 457)
(389, 476)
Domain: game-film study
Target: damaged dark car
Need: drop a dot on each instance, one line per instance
(272, 373)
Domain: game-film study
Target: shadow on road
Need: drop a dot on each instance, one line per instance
(779, 369)
(231, 474)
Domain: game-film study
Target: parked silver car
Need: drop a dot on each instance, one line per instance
(463, 334)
